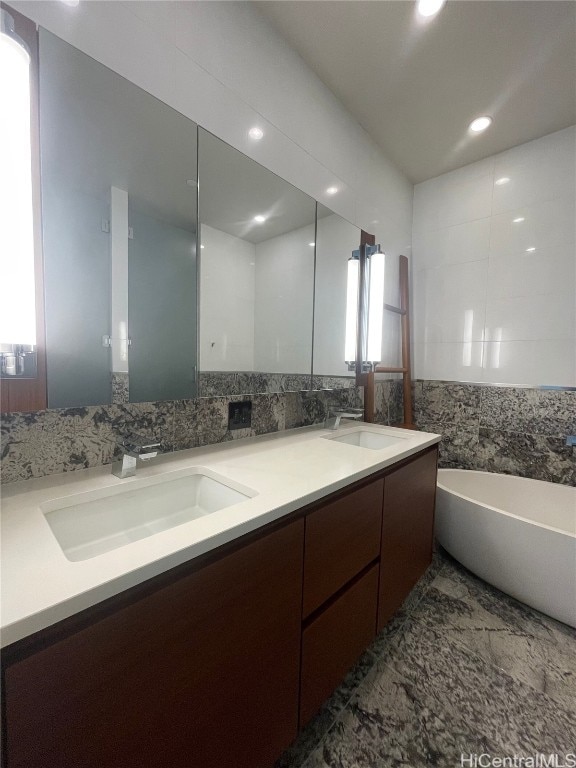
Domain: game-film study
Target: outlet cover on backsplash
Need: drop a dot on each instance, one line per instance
(240, 415)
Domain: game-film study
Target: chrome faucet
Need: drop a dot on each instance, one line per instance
(333, 420)
(571, 440)
(133, 447)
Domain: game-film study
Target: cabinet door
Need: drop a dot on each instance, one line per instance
(342, 538)
(335, 639)
(407, 531)
(202, 673)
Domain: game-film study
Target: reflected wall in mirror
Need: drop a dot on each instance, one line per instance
(119, 187)
(257, 235)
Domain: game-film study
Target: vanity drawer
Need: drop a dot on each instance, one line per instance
(334, 640)
(342, 538)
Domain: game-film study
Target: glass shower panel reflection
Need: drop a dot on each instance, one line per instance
(75, 212)
(162, 309)
(119, 193)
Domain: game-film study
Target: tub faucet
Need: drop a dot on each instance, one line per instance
(133, 447)
(571, 440)
(333, 420)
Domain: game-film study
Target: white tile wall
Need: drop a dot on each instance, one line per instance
(227, 290)
(283, 310)
(507, 253)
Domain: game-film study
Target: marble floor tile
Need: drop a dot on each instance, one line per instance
(391, 720)
(531, 659)
(462, 668)
(520, 617)
(511, 714)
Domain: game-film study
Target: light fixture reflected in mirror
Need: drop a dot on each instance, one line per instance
(375, 260)
(352, 308)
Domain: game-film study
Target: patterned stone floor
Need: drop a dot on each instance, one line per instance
(461, 670)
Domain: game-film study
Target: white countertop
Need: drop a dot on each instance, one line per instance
(287, 470)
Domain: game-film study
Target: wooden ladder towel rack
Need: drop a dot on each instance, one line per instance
(368, 379)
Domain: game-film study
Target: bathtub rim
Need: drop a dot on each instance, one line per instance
(470, 499)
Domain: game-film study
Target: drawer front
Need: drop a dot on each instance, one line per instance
(342, 538)
(335, 640)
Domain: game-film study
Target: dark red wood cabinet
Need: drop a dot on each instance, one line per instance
(217, 663)
(407, 531)
(202, 673)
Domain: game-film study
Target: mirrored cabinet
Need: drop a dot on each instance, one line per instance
(175, 266)
(119, 209)
(257, 236)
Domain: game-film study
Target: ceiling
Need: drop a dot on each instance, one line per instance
(415, 85)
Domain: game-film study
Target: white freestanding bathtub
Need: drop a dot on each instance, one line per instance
(517, 534)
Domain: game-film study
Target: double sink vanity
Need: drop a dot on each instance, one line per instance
(200, 613)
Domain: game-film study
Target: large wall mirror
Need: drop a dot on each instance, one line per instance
(256, 275)
(144, 300)
(119, 188)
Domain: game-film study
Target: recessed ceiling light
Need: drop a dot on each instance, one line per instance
(312, 244)
(480, 124)
(518, 220)
(331, 190)
(256, 133)
(430, 7)
(530, 250)
(502, 180)
(201, 246)
(70, 2)
(260, 219)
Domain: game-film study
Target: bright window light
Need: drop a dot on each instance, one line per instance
(375, 308)
(17, 306)
(351, 310)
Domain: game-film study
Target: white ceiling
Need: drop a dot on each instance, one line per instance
(415, 86)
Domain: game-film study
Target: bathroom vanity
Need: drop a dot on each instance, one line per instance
(218, 650)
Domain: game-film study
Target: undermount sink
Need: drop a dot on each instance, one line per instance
(91, 523)
(364, 438)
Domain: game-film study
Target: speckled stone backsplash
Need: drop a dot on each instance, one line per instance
(222, 383)
(512, 430)
(60, 440)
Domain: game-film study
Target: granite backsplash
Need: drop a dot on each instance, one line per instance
(61, 440)
(512, 430)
